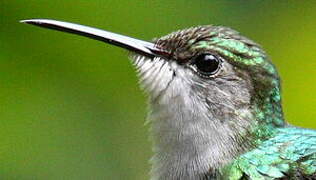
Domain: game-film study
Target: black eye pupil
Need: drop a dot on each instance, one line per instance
(207, 64)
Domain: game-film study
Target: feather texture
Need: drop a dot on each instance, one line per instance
(291, 154)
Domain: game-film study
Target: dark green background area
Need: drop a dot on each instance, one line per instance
(70, 107)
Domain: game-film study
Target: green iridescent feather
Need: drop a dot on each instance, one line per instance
(290, 154)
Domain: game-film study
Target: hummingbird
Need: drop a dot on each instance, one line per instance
(215, 105)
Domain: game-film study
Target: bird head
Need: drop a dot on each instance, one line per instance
(208, 71)
(216, 69)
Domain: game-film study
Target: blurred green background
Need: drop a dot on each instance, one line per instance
(70, 107)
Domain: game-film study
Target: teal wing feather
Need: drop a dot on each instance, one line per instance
(291, 154)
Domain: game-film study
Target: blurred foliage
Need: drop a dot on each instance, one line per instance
(71, 108)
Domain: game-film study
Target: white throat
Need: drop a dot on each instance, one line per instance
(189, 143)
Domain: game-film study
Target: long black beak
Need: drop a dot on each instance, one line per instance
(138, 46)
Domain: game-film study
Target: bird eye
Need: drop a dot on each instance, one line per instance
(207, 64)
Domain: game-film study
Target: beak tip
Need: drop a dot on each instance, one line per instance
(27, 21)
(23, 21)
(32, 21)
